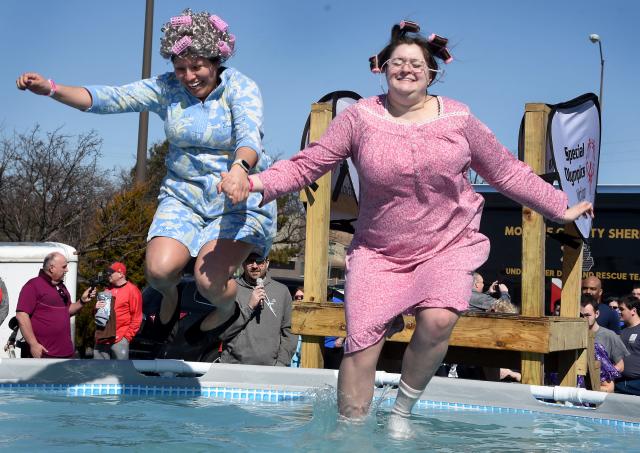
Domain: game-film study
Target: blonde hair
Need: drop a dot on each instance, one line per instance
(503, 306)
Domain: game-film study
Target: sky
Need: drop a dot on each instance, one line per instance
(507, 54)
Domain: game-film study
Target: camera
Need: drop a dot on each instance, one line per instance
(100, 280)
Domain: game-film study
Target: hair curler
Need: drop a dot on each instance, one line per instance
(181, 45)
(374, 64)
(218, 23)
(180, 21)
(408, 26)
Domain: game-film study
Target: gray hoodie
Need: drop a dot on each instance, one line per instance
(260, 336)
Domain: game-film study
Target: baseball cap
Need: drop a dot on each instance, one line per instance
(118, 267)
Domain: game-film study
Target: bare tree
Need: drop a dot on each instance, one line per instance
(49, 185)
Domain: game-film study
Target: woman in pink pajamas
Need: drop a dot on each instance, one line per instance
(417, 242)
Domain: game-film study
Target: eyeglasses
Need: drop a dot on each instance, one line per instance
(414, 64)
(298, 297)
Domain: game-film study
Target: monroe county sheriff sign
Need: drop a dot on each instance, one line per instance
(612, 250)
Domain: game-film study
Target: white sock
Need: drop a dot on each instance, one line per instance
(406, 399)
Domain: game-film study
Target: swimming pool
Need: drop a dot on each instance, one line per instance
(269, 409)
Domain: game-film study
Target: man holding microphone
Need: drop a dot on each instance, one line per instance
(260, 333)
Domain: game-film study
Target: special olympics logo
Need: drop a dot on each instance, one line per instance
(591, 149)
(591, 159)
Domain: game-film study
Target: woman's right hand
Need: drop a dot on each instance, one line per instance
(235, 185)
(34, 82)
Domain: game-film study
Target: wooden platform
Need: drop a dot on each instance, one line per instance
(484, 339)
(474, 330)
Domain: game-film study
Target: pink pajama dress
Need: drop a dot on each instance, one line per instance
(417, 242)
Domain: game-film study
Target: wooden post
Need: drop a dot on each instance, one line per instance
(571, 275)
(570, 305)
(316, 261)
(533, 237)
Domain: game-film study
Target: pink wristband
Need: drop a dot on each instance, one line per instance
(54, 88)
(250, 185)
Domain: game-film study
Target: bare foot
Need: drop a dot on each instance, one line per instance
(169, 305)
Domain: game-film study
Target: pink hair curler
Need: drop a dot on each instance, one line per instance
(438, 40)
(218, 23)
(373, 64)
(409, 26)
(179, 21)
(224, 49)
(441, 43)
(232, 41)
(181, 45)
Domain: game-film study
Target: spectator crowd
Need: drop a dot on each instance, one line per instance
(259, 332)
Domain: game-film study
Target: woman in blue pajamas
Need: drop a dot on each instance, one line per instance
(213, 122)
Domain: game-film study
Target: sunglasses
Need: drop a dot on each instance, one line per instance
(298, 297)
(62, 294)
(256, 260)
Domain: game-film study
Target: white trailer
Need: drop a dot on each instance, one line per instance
(20, 262)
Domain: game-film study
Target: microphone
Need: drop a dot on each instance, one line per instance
(259, 284)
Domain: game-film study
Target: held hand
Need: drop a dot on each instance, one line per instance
(37, 350)
(257, 297)
(33, 82)
(88, 294)
(503, 288)
(235, 185)
(577, 210)
(493, 288)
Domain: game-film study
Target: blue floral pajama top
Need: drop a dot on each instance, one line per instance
(203, 138)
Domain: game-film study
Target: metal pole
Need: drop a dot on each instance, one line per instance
(601, 73)
(143, 125)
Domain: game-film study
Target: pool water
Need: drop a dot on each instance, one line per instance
(52, 423)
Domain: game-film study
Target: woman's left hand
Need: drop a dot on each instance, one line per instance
(577, 210)
(235, 184)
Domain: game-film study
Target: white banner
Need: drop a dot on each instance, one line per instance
(574, 137)
(345, 187)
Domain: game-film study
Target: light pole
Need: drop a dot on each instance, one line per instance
(143, 123)
(594, 38)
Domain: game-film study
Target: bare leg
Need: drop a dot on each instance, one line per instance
(216, 263)
(428, 346)
(165, 259)
(422, 358)
(356, 381)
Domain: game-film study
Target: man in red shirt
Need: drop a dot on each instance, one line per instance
(125, 317)
(44, 311)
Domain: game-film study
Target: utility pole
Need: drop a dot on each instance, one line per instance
(143, 125)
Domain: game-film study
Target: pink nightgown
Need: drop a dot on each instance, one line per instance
(417, 242)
